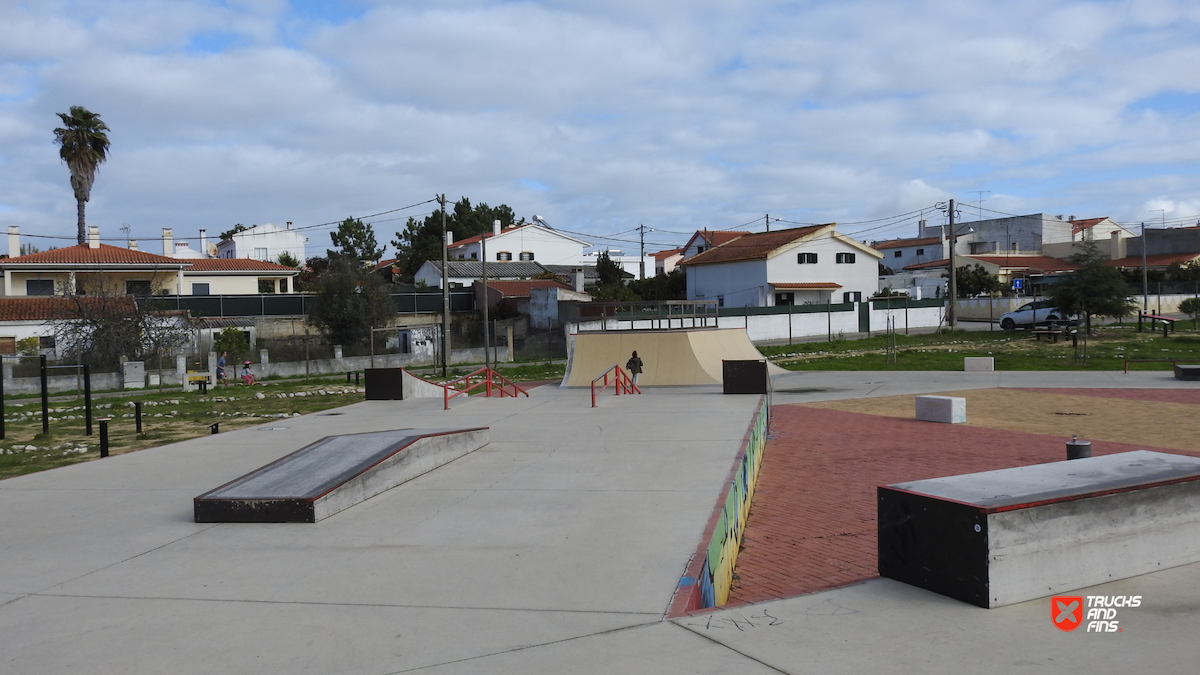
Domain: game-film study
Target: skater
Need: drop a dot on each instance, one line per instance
(634, 366)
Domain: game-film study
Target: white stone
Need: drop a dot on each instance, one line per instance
(260, 395)
(945, 409)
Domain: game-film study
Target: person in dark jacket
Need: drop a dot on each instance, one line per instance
(634, 366)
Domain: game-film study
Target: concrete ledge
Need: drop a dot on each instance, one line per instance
(1187, 372)
(979, 364)
(1001, 537)
(945, 409)
(333, 474)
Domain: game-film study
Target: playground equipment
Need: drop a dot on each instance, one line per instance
(670, 357)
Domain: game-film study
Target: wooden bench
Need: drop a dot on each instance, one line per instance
(200, 380)
(1167, 322)
(1051, 333)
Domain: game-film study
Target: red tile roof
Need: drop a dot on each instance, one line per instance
(1164, 260)
(713, 238)
(47, 308)
(382, 264)
(521, 289)
(481, 237)
(810, 285)
(753, 246)
(667, 253)
(237, 265)
(82, 254)
(898, 243)
(1078, 226)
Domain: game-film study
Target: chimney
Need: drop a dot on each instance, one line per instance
(449, 237)
(14, 241)
(181, 245)
(577, 279)
(133, 245)
(93, 236)
(168, 242)
(1116, 249)
(204, 242)
(289, 225)
(495, 227)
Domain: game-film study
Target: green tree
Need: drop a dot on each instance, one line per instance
(83, 145)
(348, 301)
(421, 240)
(287, 260)
(610, 272)
(1191, 307)
(356, 240)
(233, 340)
(98, 326)
(671, 286)
(974, 280)
(1094, 289)
(228, 234)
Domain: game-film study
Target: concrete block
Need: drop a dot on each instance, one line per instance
(1187, 372)
(979, 364)
(1001, 537)
(945, 409)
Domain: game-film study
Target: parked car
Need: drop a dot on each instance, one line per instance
(1039, 313)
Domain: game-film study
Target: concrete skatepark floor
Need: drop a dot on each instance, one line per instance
(554, 549)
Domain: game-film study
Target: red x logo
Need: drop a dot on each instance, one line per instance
(1066, 611)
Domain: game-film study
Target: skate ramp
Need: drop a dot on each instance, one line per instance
(670, 357)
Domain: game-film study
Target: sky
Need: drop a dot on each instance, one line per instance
(601, 115)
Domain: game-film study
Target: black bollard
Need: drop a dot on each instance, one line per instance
(347, 378)
(103, 436)
(203, 385)
(87, 397)
(45, 396)
(356, 380)
(1077, 449)
(215, 426)
(137, 413)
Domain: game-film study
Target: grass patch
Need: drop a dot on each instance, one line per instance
(1108, 349)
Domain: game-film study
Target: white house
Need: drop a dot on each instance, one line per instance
(91, 266)
(263, 242)
(900, 253)
(522, 243)
(706, 239)
(466, 272)
(784, 267)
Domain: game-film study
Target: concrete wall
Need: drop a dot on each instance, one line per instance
(775, 327)
(1165, 242)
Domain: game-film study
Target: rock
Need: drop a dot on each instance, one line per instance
(260, 396)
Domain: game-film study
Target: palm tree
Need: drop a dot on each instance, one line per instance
(84, 147)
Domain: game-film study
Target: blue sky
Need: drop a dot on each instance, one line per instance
(601, 116)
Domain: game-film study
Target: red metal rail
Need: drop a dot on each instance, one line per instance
(485, 377)
(621, 380)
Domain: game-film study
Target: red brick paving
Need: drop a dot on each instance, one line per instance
(812, 522)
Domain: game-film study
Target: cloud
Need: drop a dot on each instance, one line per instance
(599, 115)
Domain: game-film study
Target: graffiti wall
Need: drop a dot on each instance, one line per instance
(710, 573)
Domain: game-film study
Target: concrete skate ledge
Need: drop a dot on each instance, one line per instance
(1000, 537)
(333, 474)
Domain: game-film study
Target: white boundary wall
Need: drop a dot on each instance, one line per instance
(773, 327)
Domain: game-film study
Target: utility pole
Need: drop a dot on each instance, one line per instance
(445, 289)
(1145, 285)
(767, 217)
(953, 306)
(642, 257)
(483, 258)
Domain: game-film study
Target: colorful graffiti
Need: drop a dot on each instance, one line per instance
(707, 584)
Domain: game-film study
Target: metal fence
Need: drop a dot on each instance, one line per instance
(298, 304)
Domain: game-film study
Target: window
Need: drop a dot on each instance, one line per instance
(474, 255)
(137, 287)
(852, 296)
(699, 250)
(720, 301)
(260, 253)
(266, 286)
(527, 256)
(200, 289)
(39, 287)
(283, 286)
(784, 299)
(8, 345)
(46, 342)
(920, 251)
(896, 254)
(806, 258)
(847, 258)
(503, 255)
